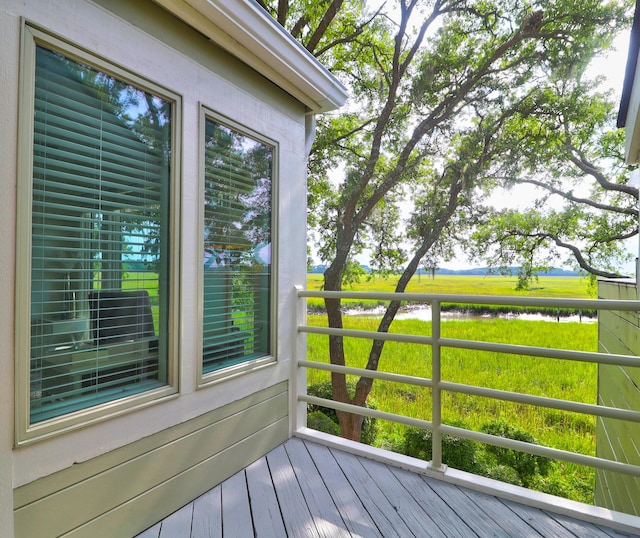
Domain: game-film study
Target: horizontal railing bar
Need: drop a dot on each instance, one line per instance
(516, 397)
(369, 335)
(542, 401)
(539, 401)
(371, 374)
(539, 450)
(552, 302)
(511, 349)
(546, 352)
(366, 411)
(504, 442)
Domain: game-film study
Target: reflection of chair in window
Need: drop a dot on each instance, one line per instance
(120, 316)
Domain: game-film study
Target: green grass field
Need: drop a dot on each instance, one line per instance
(547, 286)
(568, 380)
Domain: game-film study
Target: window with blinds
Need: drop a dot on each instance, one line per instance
(237, 247)
(99, 237)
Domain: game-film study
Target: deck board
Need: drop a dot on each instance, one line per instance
(356, 518)
(265, 509)
(414, 513)
(388, 521)
(207, 515)
(328, 521)
(304, 489)
(296, 515)
(444, 516)
(236, 510)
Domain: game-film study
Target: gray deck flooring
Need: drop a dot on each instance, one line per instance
(303, 489)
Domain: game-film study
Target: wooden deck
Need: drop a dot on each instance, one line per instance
(303, 489)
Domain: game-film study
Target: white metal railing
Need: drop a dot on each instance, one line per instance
(438, 386)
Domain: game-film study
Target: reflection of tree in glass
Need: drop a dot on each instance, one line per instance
(237, 196)
(147, 118)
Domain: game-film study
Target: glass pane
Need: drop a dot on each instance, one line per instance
(237, 247)
(99, 238)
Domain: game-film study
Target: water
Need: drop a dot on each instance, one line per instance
(423, 313)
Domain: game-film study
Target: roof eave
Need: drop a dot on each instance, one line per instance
(246, 31)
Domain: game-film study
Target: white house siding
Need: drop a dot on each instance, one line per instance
(142, 38)
(618, 332)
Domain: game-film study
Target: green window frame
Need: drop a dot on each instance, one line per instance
(96, 269)
(238, 184)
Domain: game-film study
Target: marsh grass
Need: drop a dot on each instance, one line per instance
(553, 378)
(545, 286)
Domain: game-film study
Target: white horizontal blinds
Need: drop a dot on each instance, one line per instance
(237, 247)
(99, 215)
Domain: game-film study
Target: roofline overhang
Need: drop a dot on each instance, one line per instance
(245, 30)
(629, 110)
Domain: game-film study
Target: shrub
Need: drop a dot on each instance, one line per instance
(457, 452)
(324, 390)
(504, 473)
(317, 420)
(527, 466)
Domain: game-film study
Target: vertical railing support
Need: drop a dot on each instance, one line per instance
(298, 383)
(436, 393)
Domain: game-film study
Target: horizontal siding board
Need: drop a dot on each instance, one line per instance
(48, 485)
(99, 493)
(164, 499)
(115, 486)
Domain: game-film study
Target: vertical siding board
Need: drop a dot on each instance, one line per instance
(618, 386)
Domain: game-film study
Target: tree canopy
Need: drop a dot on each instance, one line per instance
(451, 99)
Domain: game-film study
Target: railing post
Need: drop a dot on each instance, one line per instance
(436, 394)
(298, 377)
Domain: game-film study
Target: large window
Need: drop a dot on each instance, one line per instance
(99, 290)
(238, 171)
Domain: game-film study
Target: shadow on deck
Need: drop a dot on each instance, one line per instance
(305, 489)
